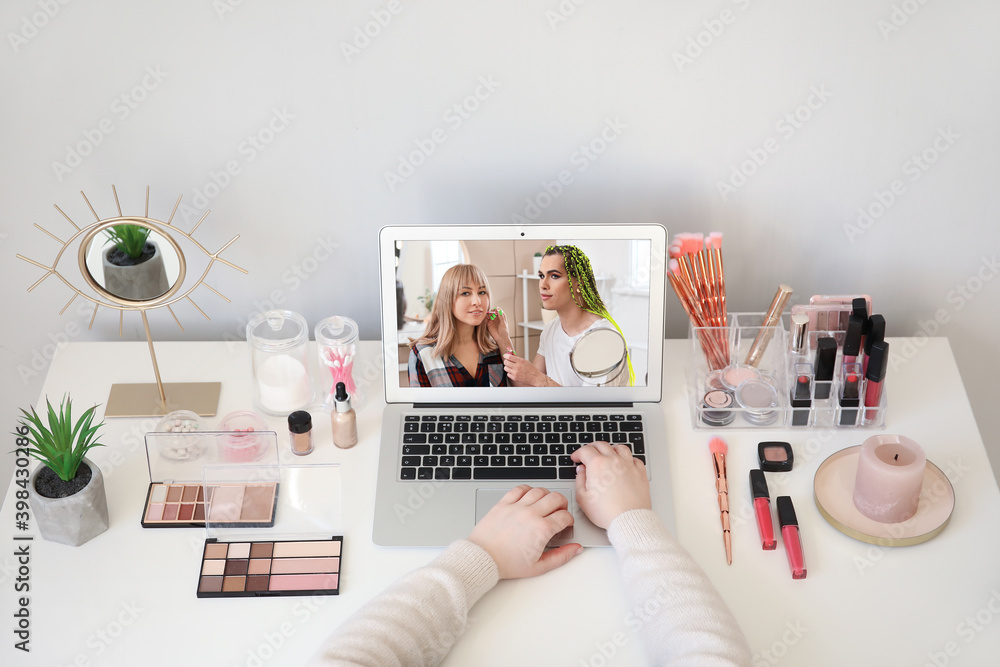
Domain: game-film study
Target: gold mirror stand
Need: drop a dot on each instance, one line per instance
(142, 399)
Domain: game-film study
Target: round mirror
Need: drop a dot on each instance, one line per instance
(599, 356)
(131, 261)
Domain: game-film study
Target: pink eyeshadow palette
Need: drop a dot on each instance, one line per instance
(258, 569)
(185, 505)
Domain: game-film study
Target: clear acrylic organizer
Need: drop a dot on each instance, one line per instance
(726, 392)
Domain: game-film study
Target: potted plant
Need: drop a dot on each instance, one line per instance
(536, 262)
(428, 300)
(133, 264)
(66, 493)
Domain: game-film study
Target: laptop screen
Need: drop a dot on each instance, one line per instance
(441, 287)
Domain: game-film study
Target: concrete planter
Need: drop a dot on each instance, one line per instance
(138, 282)
(75, 519)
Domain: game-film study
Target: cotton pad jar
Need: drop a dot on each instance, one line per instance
(278, 342)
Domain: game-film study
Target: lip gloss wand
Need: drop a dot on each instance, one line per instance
(718, 447)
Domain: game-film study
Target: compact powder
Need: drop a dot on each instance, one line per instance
(715, 408)
(775, 456)
(736, 374)
(759, 399)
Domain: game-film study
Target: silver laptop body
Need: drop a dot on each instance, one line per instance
(629, 261)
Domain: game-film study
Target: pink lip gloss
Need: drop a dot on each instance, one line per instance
(762, 508)
(874, 377)
(790, 535)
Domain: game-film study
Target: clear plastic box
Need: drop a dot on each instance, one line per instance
(781, 391)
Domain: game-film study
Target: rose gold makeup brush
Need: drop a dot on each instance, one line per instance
(718, 447)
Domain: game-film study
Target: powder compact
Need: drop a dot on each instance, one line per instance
(775, 456)
(716, 408)
(177, 497)
(759, 400)
(299, 553)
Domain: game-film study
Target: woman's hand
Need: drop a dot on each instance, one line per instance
(609, 481)
(496, 325)
(517, 529)
(523, 373)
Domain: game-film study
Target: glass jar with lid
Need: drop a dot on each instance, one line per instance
(279, 342)
(336, 340)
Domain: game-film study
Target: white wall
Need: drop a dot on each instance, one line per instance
(836, 101)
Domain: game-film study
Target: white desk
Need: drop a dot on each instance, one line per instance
(129, 594)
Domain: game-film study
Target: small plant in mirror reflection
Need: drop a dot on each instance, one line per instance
(129, 239)
(62, 444)
(428, 299)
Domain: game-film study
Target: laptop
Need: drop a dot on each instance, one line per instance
(447, 453)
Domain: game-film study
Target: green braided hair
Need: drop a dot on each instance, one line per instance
(581, 280)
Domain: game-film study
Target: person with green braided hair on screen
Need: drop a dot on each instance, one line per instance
(567, 286)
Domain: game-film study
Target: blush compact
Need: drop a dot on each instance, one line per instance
(775, 456)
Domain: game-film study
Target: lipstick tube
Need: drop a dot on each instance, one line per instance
(875, 333)
(850, 394)
(878, 362)
(826, 361)
(852, 339)
(801, 395)
(762, 508)
(790, 536)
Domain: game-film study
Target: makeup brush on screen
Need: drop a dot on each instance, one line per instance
(718, 447)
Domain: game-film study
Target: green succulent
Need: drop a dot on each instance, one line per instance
(130, 239)
(63, 443)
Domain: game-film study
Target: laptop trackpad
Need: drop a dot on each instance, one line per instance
(487, 498)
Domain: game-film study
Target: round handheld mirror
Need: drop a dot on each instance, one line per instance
(599, 354)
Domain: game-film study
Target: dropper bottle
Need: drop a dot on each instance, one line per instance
(343, 419)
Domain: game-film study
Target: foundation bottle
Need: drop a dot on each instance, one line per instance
(300, 432)
(343, 420)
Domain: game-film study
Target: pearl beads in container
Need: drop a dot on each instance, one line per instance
(180, 422)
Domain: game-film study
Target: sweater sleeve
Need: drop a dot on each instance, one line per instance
(682, 618)
(418, 618)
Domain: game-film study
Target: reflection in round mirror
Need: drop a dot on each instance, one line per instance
(130, 269)
(599, 356)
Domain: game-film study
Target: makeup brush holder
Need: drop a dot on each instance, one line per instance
(781, 390)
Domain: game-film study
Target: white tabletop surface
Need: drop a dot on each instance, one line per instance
(127, 597)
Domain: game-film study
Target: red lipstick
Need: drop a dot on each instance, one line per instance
(790, 535)
(762, 508)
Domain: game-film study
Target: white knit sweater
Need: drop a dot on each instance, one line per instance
(417, 619)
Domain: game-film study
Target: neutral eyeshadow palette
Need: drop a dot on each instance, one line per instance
(187, 505)
(270, 568)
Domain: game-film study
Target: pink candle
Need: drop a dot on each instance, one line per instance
(890, 474)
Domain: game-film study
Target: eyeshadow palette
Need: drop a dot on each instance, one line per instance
(265, 568)
(185, 505)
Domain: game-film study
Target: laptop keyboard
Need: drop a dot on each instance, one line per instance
(509, 446)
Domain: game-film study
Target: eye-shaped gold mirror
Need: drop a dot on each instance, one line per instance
(134, 263)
